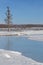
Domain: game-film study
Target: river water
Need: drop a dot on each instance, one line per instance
(29, 48)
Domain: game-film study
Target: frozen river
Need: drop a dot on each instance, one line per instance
(29, 48)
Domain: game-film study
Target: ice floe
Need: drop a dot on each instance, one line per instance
(36, 37)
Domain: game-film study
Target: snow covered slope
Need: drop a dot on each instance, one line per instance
(15, 58)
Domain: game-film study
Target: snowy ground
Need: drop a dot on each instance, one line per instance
(30, 34)
(26, 32)
(15, 58)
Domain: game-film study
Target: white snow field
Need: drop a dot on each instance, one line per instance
(15, 58)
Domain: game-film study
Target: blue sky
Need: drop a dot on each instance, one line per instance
(23, 11)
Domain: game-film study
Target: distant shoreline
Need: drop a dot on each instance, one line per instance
(19, 27)
(21, 33)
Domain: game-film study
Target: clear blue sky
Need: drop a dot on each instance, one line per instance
(23, 11)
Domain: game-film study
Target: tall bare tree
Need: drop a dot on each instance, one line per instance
(8, 18)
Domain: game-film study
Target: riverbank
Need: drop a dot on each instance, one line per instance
(15, 58)
(25, 32)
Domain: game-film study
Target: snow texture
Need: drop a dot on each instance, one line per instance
(30, 34)
(15, 58)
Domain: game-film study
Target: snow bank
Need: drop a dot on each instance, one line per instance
(14, 52)
(13, 58)
(26, 32)
(31, 34)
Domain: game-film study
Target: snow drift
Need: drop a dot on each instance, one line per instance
(15, 58)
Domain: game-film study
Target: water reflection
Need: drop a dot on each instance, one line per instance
(7, 47)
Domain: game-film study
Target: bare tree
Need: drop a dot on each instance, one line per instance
(8, 18)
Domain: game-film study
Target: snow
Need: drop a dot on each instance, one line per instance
(9, 58)
(7, 55)
(28, 32)
(33, 34)
(36, 37)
